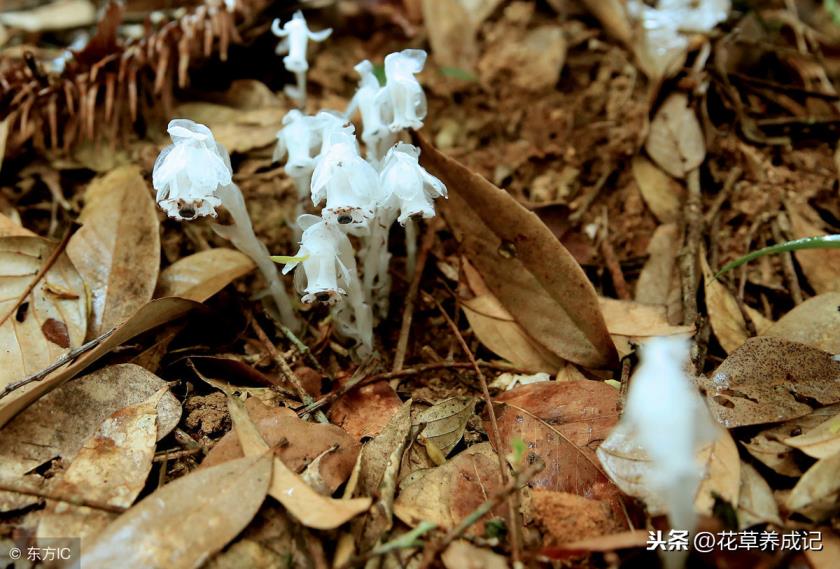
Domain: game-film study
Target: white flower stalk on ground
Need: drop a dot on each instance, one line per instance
(348, 184)
(194, 173)
(668, 419)
(374, 105)
(188, 173)
(407, 100)
(326, 272)
(296, 37)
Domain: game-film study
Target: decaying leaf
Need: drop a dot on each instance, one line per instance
(637, 320)
(725, 316)
(663, 194)
(523, 265)
(675, 141)
(59, 423)
(296, 442)
(815, 322)
(821, 266)
(448, 493)
(151, 315)
(566, 517)
(767, 445)
(181, 524)
(816, 493)
(451, 33)
(238, 130)
(111, 468)
(769, 380)
(462, 554)
(445, 422)
(366, 410)
(496, 328)
(302, 502)
(756, 503)
(530, 60)
(655, 281)
(45, 325)
(8, 226)
(117, 250)
(201, 275)
(820, 442)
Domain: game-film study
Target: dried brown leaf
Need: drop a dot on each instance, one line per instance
(821, 266)
(656, 278)
(117, 250)
(366, 410)
(637, 320)
(523, 265)
(445, 422)
(462, 554)
(820, 442)
(27, 346)
(816, 493)
(149, 316)
(663, 194)
(181, 524)
(756, 503)
(201, 275)
(815, 322)
(676, 141)
(111, 468)
(769, 380)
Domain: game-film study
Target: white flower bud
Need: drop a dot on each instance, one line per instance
(375, 107)
(296, 36)
(406, 96)
(349, 185)
(324, 249)
(188, 173)
(410, 187)
(297, 139)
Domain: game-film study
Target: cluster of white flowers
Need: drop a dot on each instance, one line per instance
(361, 196)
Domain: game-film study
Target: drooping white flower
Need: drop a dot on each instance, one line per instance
(296, 36)
(409, 186)
(346, 181)
(667, 418)
(188, 173)
(408, 102)
(332, 126)
(297, 139)
(373, 103)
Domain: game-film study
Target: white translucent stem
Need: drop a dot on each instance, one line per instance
(410, 247)
(375, 257)
(241, 234)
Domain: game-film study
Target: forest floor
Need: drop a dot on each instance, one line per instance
(599, 177)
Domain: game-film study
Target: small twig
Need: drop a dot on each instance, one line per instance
(411, 295)
(787, 263)
(405, 541)
(287, 371)
(407, 372)
(176, 454)
(302, 348)
(693, 219)
(66, 358)
(613, 266)
(9, 486)
(45, 267)
(513, 485)
(589, 198)
(512, 502)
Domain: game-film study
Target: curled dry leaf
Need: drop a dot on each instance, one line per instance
(523, 265)
(676, 141)
(201, 275)
(816, 493)
(821, 266)
(725, 315)
(296, 442)
(815, 322)
(637, 320)
(448, 493)
(769, 380)
(149, 316)
(50, 320)
(302, 502)
(445, 422)
(629, 467)
(111, 468)
(496, 328)
(768, 447)
(181, 524)
(663, 194)
(756, 503)
(820, 442)
(59, 423)
(117, 250)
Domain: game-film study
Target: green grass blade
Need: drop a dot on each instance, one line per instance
(821, 242)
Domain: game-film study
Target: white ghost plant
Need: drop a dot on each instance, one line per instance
(192, 178)
(666, 417)
(326, 272)
(296, 36)
(374, 105)
(408, 102)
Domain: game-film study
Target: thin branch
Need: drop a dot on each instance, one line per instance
(9, 486)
